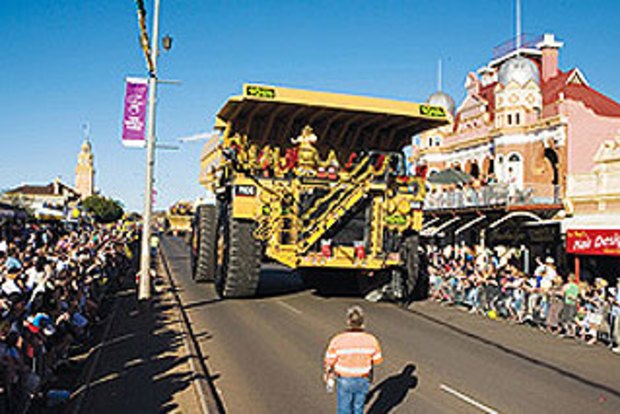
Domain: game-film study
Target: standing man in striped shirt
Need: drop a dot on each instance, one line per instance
(350, 358)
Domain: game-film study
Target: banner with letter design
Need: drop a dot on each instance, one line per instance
(134, 113)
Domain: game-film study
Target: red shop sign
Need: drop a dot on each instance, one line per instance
(600, 242)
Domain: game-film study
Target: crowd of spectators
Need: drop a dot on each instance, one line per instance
(52, 282)
(494, 285)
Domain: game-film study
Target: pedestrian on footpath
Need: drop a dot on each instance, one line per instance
(350, 359)
(570, 293)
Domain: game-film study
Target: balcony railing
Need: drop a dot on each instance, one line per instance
(527, 42)
(492, 195)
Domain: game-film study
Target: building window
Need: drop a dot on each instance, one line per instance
(517, 119)
(437, 141)
(500, 168)
(509, 119)
(430, 141)
(514, 174)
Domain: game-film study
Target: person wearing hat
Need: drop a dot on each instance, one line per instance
(550, 272)
(350, 358)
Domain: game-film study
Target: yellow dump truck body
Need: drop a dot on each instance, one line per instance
(321, 176)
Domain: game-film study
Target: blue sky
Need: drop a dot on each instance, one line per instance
(63, 63)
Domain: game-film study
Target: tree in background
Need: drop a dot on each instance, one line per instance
(105, 210)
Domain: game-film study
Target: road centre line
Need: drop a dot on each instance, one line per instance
(289, 307)
(467, 399)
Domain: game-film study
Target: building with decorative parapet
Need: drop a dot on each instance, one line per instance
(597, 192)
(524, 122)
(592, 225)
(531, 138)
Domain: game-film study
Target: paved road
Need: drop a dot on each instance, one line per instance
(265, 354)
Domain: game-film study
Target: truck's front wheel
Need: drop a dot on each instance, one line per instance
(238, 257)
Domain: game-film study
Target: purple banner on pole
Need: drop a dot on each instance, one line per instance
(134, 115)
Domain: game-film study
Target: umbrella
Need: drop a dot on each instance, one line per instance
(450, 176)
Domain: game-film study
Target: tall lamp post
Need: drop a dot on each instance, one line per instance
(144, 291)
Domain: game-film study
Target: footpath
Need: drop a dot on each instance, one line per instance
(143, 364)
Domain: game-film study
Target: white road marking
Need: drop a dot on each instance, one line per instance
(468, 400)
(289, 307)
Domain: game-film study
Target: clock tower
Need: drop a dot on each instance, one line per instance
(85, 171)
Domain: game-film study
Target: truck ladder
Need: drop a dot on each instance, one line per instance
(340, 200)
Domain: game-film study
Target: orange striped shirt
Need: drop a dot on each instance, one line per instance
(353, 353)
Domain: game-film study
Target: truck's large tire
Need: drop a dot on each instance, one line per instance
(405, 278)
(239, 257)
(205, 256)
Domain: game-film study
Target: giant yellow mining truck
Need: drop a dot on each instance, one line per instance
(179, 218)
(311, 180)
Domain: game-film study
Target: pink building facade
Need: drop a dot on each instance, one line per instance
(524, 123)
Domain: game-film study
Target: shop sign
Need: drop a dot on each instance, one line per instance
(594, 242)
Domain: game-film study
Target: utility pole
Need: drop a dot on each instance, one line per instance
(144, 292)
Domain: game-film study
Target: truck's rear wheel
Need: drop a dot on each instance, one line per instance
(205, 254)
(405, 278)
(238, 257)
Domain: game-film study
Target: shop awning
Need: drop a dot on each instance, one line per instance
(592, 221)
(45, 213)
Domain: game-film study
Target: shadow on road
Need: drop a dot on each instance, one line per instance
(276, 281)
(329, 283)
(392, 391)
(200, 303)
(143, 367)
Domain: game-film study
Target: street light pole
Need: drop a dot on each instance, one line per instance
(144, 292)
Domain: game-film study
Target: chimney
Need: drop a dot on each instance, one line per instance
(549, 47)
